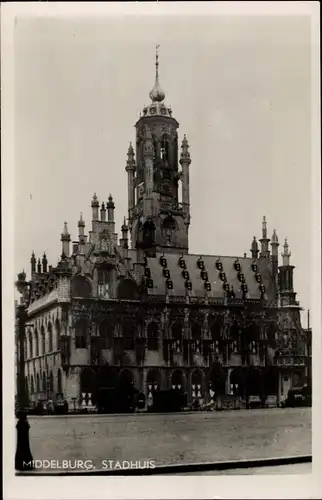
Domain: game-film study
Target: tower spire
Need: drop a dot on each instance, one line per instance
(157, 94)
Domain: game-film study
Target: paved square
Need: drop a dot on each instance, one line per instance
(173, 438)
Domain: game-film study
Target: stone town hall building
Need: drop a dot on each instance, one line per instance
(143, 309)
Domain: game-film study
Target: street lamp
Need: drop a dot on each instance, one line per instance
(23, 457)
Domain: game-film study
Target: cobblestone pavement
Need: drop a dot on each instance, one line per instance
(173, 438)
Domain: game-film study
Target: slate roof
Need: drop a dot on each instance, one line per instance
(198, 284)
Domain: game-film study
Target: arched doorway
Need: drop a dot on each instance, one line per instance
(152, 384)
(216, 380)
(87, 386)
(253, 382)
(197, 385)
(178, 380)
(127, 391)
(270, 381)
(237, 382)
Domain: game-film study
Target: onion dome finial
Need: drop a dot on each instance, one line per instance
(157, 94)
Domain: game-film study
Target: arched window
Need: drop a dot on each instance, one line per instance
(81, 334)
(30, 344)
(196, 337)
(50, 337)
(81, 287)
(37, 383)
(36, 343)
(196, 331)
(32, 388)
(128, 329)
(106, 330)
(59, 382)
(148, 233)
(216, 329)
(44, 382)
(164, 150)
(57, 332)
(51, 382)
(169, 228)
(43, 342)
(176, 330)
(152, 336)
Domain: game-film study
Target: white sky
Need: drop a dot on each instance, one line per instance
(240, 89)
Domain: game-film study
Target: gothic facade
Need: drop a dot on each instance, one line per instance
(142, 309)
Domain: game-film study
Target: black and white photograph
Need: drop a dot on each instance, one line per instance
(163, 247)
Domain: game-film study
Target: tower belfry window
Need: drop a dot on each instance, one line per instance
(164, 151)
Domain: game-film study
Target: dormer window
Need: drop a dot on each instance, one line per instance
(182, 263)
(237, 266)
(169, 284)
(166, 273)
(204, 275)
(188, 285)
(201, 264)
(163, 261)
(219, 265)
(185, 274)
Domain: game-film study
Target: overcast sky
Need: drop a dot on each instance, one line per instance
(240, 89)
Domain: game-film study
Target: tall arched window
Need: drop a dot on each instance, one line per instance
(32, 388)
(148, 233)
(59, 382)
(30, 344)
(196, 331)
(50, 337)
(152, 336)
(37, 383)
(36, 343)
(43, 340)
(51, 382)
(169, 228)
(44, 382)
(164, 150)
(81, 334)
(57, 332)
(128, 329)
(106, 330)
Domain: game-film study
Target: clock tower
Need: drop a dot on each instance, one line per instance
(158, 219)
